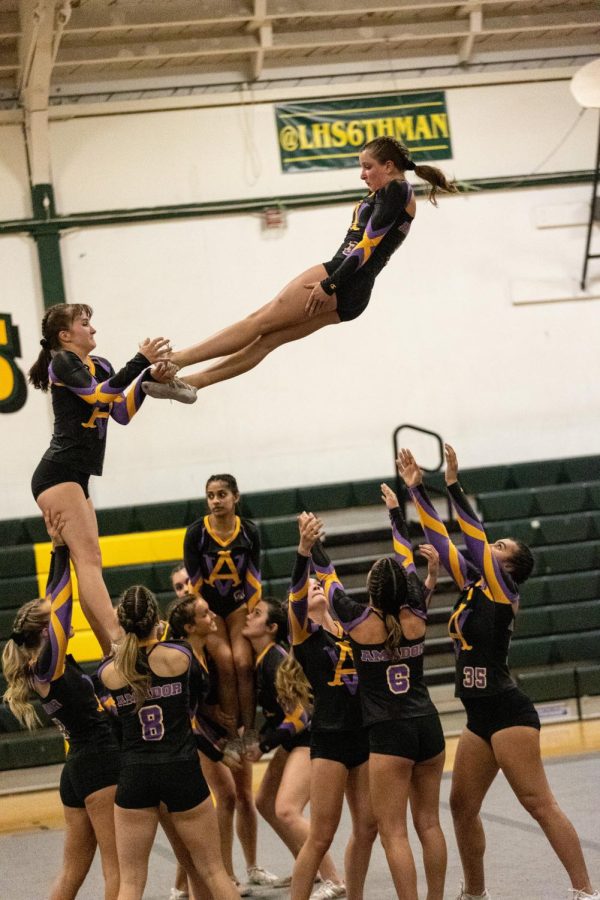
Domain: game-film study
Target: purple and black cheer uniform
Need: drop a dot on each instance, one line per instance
(482, 621)
(379, 225)
(159, 761)
(225, 573)
(93, 755)
(280, 729)
(83, 397)
(396, 705)
(336, 732)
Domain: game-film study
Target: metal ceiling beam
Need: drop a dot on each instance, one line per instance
(465, 48)
(196, 48)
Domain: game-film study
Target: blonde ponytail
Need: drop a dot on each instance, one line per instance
(292, 686)
(127, 663)
(19, 652)
(137, 613)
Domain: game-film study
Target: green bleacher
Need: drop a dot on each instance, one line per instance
(552, 505)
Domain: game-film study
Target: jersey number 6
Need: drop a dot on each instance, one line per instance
(398, 678)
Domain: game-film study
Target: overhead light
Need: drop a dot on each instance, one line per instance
(585, 85)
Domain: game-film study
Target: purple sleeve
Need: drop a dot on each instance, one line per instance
(252, 578)
(347, 611)
(500, 584)
(126, 405)
(403, 551)
(51, 662)
(300, 626)
(437, 535)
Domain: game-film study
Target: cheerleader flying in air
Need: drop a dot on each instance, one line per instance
(327, 293)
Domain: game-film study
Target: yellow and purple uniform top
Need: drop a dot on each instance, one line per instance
(84, 396)
(482, 621)
(225, 572)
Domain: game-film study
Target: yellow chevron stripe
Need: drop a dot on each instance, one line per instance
(472, 530)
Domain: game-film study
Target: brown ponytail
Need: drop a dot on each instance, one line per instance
(385, 149)
(437, 181)
(56, 319)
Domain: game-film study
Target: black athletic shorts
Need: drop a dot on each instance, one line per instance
(353, 298)
(419, 739)
(224, 606)
(487, 715)
(86, 772)
(351, 748)
(299, 740)
(50, 473)
(180, 785)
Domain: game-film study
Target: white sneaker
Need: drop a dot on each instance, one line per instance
(329, 890)
(462, 895)
(176, 389)
(178, 895)
(258, 875)
(574, 894)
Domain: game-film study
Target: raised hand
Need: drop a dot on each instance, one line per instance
(408, 469)
(451, 464)
(155, 349)
(433, 564)
(54, 526)
(388, 496)
(163, 371)
(311, 531)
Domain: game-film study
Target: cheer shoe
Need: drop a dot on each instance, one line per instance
(176, 389)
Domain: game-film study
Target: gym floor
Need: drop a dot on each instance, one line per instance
(519, 861)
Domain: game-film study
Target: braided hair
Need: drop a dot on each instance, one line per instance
(20, 650)
(179, 614)
(389, 590)
(521, 562)
(385, 149)
(59, 317)
(138, 614)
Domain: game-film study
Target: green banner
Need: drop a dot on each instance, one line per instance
(328, 134)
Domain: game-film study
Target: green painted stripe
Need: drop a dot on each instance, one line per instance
(39, 226)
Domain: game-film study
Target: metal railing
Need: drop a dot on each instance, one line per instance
(401, 490)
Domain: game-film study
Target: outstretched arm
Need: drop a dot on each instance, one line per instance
(501, 585)
(403, 551)
(350, 613)
(435, 530)
(300, 626)
(67, 370)
(50, 664)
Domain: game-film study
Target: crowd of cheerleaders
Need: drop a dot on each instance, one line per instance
(345, 707)
(340, 682)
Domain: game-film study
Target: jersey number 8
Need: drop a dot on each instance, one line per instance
(151, 720)
(398, 678)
